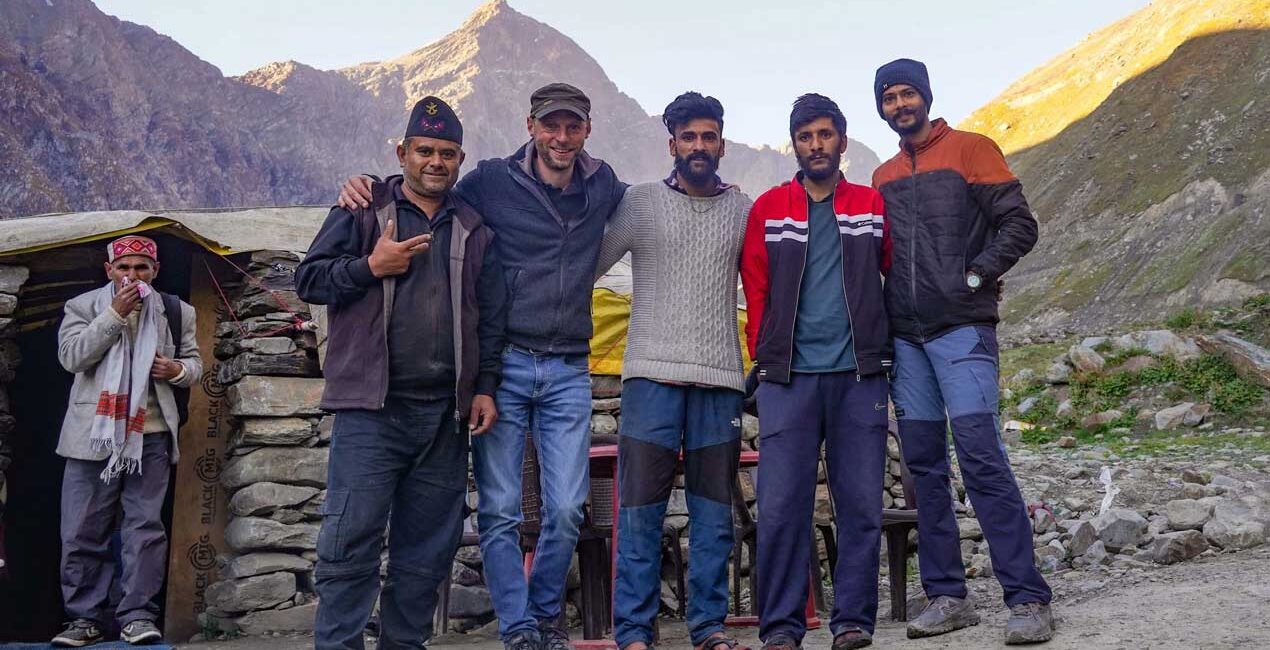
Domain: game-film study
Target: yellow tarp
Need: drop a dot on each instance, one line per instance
(610, 314)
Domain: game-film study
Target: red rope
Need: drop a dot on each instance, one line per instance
(242, 330)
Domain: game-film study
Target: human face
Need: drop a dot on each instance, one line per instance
(558, 137)
(134, 267)
(697, 147)
(904, 109)
(430, 166)
(819, 147)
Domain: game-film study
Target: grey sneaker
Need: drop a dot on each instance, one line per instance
(78, 633)
(524, 640)
(943, 615)
(852, 639)
(140, 632)
(1029, 623)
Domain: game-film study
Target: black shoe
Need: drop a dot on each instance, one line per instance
(553, 637)
(781, 642)
(852, 639)
(141, 632)
(78, 633)
(524, 640)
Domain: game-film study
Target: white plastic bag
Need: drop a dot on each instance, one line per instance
(1110, 490)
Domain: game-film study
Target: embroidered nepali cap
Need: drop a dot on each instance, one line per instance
(433, 118)
(132, 245)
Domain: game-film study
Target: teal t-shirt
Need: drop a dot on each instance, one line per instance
(822, 333)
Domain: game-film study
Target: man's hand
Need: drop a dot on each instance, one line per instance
(1000, 289)
(127, 299)
(355, 193)
(483, 416)
(165, 368)
(393, 257)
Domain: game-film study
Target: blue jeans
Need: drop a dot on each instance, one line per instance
(953, 380)
(408, 459)
(846, 413)
(549, 395)
(657, 420)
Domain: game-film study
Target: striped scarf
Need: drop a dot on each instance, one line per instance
(123, 375)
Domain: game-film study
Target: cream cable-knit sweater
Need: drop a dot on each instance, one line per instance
(685, 253)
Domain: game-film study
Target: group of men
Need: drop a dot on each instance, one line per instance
(467, 303)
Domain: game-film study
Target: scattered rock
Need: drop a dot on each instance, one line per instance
(1173, 416)
(970, 529)
(1138, 363)
(1251, 361)
(1064, 409)
(1085, 359)
(1098, 419)
(1188, 514)
(1235, 525)
(1195, 476)
(1096, 554)
(1160, 343)
(1067, 442)
(1027, 404)
(1058, 373)
(470, 602)
(1043, 521)
(1171, 548)
(980, 567)
(1196, 414)
(1084, 535)
(1119, 528)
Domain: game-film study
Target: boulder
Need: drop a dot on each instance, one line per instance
(1096, 420)
(256, 592)
(1171, 548)
(255, 533)
(1085, 359)
(1138, 363)
(1195, 415)
(1092, 342)
(1195, 476)
(288, 465)
(294, 619)
(1173, 416)
(259, 498)
(1027, 404)
(254, 564)
(1188, 514)
(470, 602)
(275, 431)
(1161, 343)
(1236, 524)
(1083, 536)
(969, 528)
(275, 396)
(1119, 528)
(1058, 373)
(1251, 361)
(1043, 521)
(1096, 553)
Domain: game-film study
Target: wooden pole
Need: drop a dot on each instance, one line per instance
(200, 510)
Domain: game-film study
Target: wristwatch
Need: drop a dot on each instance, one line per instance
(973, 280)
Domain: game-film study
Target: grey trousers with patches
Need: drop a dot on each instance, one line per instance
(91, 509)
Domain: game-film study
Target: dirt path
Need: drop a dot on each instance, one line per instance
(1219, 602)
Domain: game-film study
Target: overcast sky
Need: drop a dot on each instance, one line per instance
(756, 57)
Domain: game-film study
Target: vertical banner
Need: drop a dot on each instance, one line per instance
(200, 509)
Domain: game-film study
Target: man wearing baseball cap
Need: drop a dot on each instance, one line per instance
(417, 308)
(960, 221)
(548, 202)
(129, 347)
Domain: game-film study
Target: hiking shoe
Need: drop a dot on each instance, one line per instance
(781, 642)
(1029, 623)
(720, 641)
(78, 633)
(853, 638)
(943, 615)
(140, 632)
(523, 640)
(553, 637)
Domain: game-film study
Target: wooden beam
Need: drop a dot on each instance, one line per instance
(200, 506)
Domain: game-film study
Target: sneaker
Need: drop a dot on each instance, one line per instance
(523, 640)
(781, 642)
(140, 632)
(943, 615)
(78, 633)
(851, 639)
(553, 637)
(1029, 623)
(720, 641)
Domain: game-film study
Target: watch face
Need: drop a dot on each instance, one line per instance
(973, 281)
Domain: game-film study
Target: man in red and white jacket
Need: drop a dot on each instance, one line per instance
(812, 263)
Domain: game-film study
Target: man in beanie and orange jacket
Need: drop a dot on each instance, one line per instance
(417, 310)
(129, 347)
(959, 222)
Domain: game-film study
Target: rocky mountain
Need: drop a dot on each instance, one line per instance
(1145, 153)
(101, 113)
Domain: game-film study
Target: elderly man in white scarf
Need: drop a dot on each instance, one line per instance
(119, 439)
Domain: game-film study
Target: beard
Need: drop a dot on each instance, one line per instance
(548, 157)
(820, 174)
(428, 185)
(919, 121)
(683, 165)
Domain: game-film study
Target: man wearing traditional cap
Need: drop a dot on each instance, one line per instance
(960, 221)
(548, 202)
(119, 439)
(416, 304)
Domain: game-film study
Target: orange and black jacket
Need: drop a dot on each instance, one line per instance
(953, 206)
